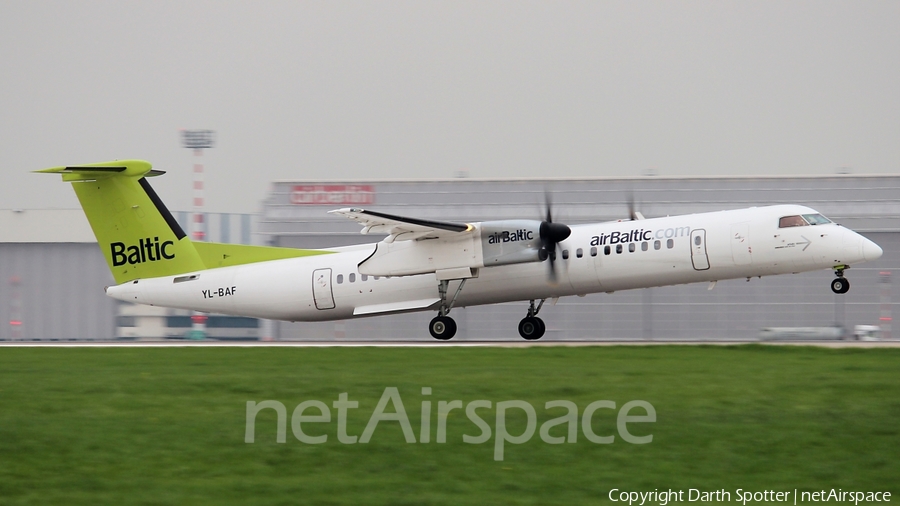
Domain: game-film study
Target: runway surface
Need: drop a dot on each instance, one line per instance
(426, 344)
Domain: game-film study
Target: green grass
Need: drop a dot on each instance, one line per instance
(166, 426)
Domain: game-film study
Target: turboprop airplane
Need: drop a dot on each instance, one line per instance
(424, 265)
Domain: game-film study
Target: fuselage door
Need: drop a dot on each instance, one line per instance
(321, 280)
(740, 244)
(698, 249)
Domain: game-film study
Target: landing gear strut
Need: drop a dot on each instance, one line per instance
(531, 327)
(443, 327)
(840, 284)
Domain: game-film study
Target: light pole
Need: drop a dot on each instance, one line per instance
(198, 140)
(15, 308)
(884, 278)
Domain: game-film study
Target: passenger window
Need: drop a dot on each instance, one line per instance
(579, 253)
(565, 254)
(340, 279)
(669, 244)
(351, 277)
(631, 247)
(697, 240)
(606, 250)
(593, 251)
(618, 248)
(791, 221)
(363, 277)
(645, 246)
(656, 244)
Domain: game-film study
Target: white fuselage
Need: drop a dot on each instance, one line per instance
(599, 257)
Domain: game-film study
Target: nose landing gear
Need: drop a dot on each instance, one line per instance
(840, 285)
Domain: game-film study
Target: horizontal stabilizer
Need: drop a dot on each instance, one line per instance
(95, 171)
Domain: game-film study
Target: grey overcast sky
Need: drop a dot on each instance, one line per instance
(334, 89)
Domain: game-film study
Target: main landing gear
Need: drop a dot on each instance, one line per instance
(531, 327)
(443, 327)
(840, 285)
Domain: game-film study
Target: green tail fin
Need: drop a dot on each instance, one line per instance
(139, 237)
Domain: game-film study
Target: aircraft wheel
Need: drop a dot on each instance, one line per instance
(531, 328)
(442, 328)
(840, 285)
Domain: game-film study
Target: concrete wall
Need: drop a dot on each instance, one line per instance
(59, 293)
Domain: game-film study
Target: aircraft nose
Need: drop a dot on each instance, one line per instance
(871, 251)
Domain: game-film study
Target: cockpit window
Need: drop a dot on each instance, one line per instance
(802, 221)
(816, 219)
(791, 221)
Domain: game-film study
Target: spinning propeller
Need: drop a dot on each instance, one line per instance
(551, 235)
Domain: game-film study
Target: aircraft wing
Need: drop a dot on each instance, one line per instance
(402, 228)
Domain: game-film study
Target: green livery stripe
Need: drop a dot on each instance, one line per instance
(216, 254)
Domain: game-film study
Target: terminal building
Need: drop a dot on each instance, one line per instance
(52, 273)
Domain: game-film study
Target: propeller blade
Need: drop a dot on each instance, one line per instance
(551, 235)
(548, 205)
(552, 270)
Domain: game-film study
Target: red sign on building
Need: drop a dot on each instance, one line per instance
(333, 194)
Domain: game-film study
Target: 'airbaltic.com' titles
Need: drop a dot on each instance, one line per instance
(616, 237)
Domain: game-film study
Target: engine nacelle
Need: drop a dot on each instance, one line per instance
(510, 242)
(487, 244)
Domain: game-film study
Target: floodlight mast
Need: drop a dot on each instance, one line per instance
(198, 140)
